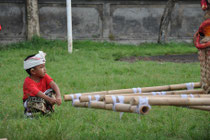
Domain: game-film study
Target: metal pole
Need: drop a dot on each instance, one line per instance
(69, 26)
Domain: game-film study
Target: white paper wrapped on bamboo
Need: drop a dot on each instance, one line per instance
(188, 86)
(108, 99)
(117, 107)
(173, 101)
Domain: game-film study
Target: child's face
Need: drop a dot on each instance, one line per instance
(40, 70)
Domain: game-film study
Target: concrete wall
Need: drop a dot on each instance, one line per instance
(125, 21)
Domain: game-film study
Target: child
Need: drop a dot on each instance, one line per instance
(35, 99)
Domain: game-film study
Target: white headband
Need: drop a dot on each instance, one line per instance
(35, 60)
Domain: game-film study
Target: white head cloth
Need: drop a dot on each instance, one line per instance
(35, 60)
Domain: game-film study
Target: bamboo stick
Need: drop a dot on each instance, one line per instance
(127, 108)
(109, 99)
(194, 91)
(174, 101)
(79, 104)
(68, 97)
(118, 107)
(86, 98)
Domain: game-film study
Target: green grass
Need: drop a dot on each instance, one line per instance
(92, 67)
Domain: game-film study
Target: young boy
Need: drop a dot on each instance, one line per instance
(37, 96)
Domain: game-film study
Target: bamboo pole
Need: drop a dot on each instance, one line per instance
(128, 108)
(68, 97)
(118, 107)
(109, 99)
(87, 98)
(174, 101)
(79, 104)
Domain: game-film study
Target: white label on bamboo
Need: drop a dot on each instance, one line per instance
(143, 103)
(97, 97)
(134, 90)
(114, 102)
(121, 101)
(77, 98)
(191, 95)
(73, 101)
(159, 93)
(89, 101)
(190, 86)
(139, 89)
(184, 96)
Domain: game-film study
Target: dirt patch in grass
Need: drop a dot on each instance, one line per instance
(185, 58)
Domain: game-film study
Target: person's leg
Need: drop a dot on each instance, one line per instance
(27, 112)
(51, 93)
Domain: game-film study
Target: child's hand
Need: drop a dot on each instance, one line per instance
(52, 101)
(58, 101)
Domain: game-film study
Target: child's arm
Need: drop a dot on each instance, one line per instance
(45, 97)
(55, 87)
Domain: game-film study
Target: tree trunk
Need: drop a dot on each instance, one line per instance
(165, 20)
(32, 18)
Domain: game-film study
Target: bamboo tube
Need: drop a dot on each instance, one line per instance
(195, 91)
(133, 109)
(79, 104)
(108, 98)
(85, 98)
(174, 101)
(118, 107)
(99, 105)
(127, 108)
(68, 97)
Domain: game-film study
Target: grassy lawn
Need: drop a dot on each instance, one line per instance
(93, 67)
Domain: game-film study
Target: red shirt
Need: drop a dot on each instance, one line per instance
(31, 88)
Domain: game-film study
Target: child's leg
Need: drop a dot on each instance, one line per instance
(36, 104)
(51, 93)
(27, 113)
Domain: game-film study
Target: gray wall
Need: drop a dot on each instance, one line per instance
(124, 21)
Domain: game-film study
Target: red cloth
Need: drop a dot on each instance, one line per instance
(197, 35)
(31, 88)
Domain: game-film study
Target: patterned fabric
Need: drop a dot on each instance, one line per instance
(37, 104)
